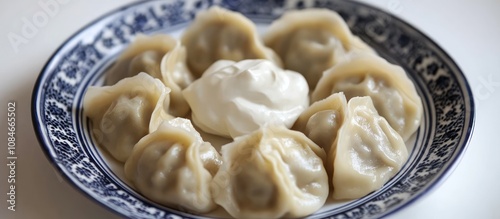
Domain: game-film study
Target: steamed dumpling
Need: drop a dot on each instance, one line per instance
(273, 172)
(367, 154)
(222, 34)
(321, 121)
(162, 57)
(176, 76)
(174, 167)
(311, 41)
(144, 54)
(392, 92)
(125, 112)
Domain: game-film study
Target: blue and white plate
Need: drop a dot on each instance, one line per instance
(63, 132)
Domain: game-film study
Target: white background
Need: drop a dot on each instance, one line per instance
(468, 30)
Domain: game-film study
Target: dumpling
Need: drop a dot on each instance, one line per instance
(176, 76)
(162, 57)
(125, 112)
(367, 154)
(392, 92)
(273, 172)
(144, 54)
(222, 34)
(321, 121)
(174, 167)
(311, 41)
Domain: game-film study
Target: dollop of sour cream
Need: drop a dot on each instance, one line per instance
(235, 98)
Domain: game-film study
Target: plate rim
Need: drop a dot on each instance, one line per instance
(440, 178)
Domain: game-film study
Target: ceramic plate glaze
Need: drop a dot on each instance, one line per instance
(80, 62)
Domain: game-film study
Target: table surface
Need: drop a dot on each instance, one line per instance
(467, 30)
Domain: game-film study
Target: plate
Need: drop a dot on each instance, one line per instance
(441, 140)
